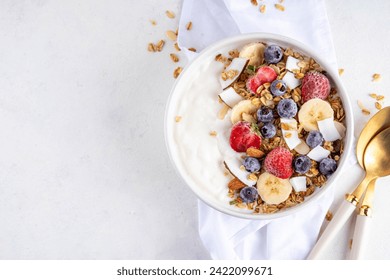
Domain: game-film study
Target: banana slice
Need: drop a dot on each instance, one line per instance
(254, 52)
(244, 106)
(272, 189)
(312, 111)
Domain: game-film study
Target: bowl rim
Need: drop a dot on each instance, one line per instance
(348, 139)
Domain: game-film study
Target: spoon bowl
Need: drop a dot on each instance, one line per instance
(376, 156)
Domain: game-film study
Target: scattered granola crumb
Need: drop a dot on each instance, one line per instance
(177, 47)
(281, 1)
(189, 25)
(177, 118)
(170, 14)
(174, 57)
(153, 22)
(376, 77)
(378, 105)
(287, 135)
(252, 177)
(329, 216)
(229, 74)
(171, 35)
(177, 72)
(373, 95)
(226, 173)
(365, 111)
(350, 243)
(279, 7)
(234, 53)
(254, 2)
(192, 49)
(213, 133)
(341, 71)
(380, 97)
(253, 152)
(262, 9)
(156, 47)
(242, 167)
(151, 47)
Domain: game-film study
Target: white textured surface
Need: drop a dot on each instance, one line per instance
(84, 173)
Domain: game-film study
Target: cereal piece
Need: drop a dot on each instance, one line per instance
(159, 46)
(153, 22)
(177, 47)
(151, 47)
(254, 2)
(213, 133)
(178, 118)
(341, 71)
(189, 25)
(373, 95)
(234, 53)
(380, 97)
(235, 184)
(177, 72)
(350, 243)
(174, 57)
(378, 105)
(170, 14)
(262, 9)
(376, 77)
(279, 7)
(192, 49)
(252, 177)
(365, 111)
(171, 35)
(253, 152)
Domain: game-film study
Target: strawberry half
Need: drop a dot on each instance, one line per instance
(244, 135)
(315, 85)
(263, 75)
(279, 163)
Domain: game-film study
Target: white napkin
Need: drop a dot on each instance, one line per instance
(228, 237)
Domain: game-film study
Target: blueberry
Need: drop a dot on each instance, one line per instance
(327, 166)
(302, 164)
(287, 108)
(278, 88)
(249, 194)
(251, 164)
(314, 138)
(273, 54)
(265, 114)
(268, 130)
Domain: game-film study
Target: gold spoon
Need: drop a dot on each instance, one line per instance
(377, 123)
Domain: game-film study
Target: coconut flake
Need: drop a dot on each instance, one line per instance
(292, 63)
(290, 136)
(238, 64)
(328, 129)
(299, 183)
(318, 153)
(291, 81)
(302, 148)
(230, 97)
(340, 128)
(233, 165)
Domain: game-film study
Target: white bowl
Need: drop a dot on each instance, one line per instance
(196, 175)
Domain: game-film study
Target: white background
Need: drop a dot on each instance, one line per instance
(84, 172)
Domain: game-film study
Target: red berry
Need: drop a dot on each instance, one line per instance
(263, 75)
(315, 85)
(243, 136)
(279, 162)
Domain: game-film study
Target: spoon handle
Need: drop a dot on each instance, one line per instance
(339, 219)
(362, 226)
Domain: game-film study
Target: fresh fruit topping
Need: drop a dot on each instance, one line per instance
(315, 85)
(230, 97)
(251, 164)
(268, 130)
(254, 52)
(278, 88)
(290, 132)
(243, 136)
(273, 190)
(329, 130)
(291, 81)
(292, 63)
(266, 74)
(302, 148)
(279, 162)
(233, 71)
(265, 114)
(327, 166)
(252, 84)
(318, 153)
(299, 183)
(244, 106)
(302, 164)
(340, 128)
(287, 108)
(233, 165)
(273, 54)
(314, 138)
(249, 194)
(313, 111)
